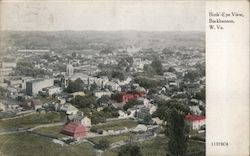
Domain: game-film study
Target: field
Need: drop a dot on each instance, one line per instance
(30, 121)
(25, 144)
(116, 125)
(52, 131)
(158, 147)
(113, 138)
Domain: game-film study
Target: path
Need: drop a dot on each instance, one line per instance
(21, 130)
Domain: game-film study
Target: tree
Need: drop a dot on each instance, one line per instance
(103, 99)
(110, 111)
(84, 101)
(93, 87)
(102, 144)
(131, 103)
(156, 64)
(74, 54)
(149, 70)
(177, 133)
(98, 119)
(191, 75)
(118, 74)
(130, 150)
(106, 51)
(201, 95)
(171, 69)
(75, 86)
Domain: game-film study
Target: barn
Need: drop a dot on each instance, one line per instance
(74, 129)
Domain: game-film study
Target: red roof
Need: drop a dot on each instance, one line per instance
(74, 129)
(125, 97)
(194, 117)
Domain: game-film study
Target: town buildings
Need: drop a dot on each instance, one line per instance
(34, 86)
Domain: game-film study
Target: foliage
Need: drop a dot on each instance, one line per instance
(130, 150)
(201, 95)
(28, 144)
(98, 119)
(125, 63)
(167, 51)
(102, 144)
(177, 133)
(93, 87)
(95, 130)
(149, 70)
(115, 96)
(75, 86)
(156, 64)
(3, 91)
(84, 101)
(106, 51)
(28, 69)
(147, 83)
(103, 99)
(101, 116)
(111, 112)
(165, 106)
(191, 75)
(171, 69)
(132, 103)
(48, 57)
(118, 74)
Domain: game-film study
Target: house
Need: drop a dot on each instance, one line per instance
(195, 122)
(113, 86)
(68, 109)
(99, 94)
(195, 110)
(140, 128)
(61, 100)
(84, 120)
(74, 129)
(125, 97)
(78, 94)
(122, 115)
(2, 107)
(52, 90)
(157, 120)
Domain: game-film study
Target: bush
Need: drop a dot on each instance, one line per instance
(95, 130)
(103, 144)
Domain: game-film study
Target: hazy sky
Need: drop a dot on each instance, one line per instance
(146, 16)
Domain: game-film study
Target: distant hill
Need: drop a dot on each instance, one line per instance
(79, 40)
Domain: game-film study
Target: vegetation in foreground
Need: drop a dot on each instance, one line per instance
(25, 144)
(31, 120)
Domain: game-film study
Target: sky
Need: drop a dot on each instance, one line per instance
(100, 15)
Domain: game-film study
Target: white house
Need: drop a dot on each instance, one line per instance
(2, 107)
(122, 115)
(140, 128)
(69, 109)
(195, 110)
(52, 90)
(99, 94)
(84, 120)
(158, 121)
